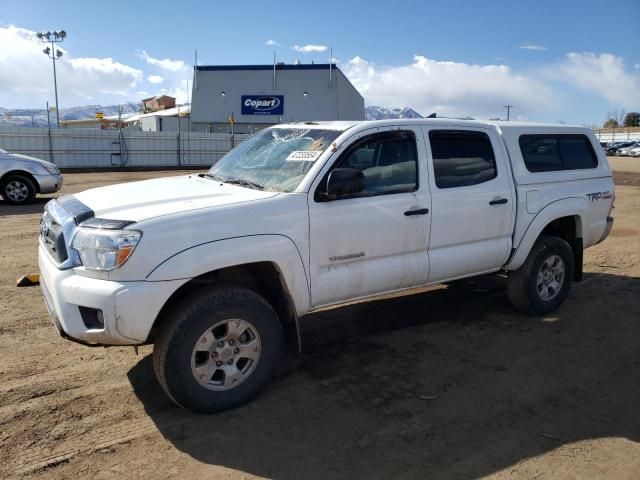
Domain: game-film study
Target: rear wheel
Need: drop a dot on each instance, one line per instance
(18, 190)
(219, 348)
(542, 283)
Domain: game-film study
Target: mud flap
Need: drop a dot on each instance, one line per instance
(578, 251)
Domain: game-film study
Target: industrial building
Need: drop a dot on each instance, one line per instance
(157, 103)
(250, 97)
(166, 120)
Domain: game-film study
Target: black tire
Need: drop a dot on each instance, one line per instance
(184, 326)
(18, 190)
(522, 284)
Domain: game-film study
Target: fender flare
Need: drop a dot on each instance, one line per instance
(23, 173)
(565, 207)
(230, 252)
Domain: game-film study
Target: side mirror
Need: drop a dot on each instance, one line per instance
(344, 181)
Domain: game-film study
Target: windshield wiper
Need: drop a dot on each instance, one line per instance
(234, 181)
(212, 177)
(244, 183)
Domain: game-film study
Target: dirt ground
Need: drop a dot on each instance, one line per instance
(446, 383)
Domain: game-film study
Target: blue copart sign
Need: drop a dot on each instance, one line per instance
(262, 104)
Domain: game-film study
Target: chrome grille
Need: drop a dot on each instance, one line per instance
(52, 236)
(56, 231)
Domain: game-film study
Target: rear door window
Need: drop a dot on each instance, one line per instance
(461, 158)
(548, 153)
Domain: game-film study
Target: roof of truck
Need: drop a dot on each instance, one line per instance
(503, 125)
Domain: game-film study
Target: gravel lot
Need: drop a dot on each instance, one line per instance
(446, 383)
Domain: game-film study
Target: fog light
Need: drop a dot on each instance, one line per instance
(92, 318)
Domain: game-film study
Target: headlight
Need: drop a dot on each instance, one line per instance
(104, 249)
(51, 168)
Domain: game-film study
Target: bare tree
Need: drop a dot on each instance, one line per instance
(619, 115)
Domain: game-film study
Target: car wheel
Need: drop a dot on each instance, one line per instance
(542, 283)
(18, 190)
(220, 346)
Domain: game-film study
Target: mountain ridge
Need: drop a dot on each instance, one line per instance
(374, 112)
(37, 117)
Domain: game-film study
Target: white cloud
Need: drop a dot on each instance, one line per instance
(155, 79)
(26, 76)
(603, 74)
(272, 43)
(178, 90)
(165, 64)
(310, 48)
(538, 48)
(448, 88)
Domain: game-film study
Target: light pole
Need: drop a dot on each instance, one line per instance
(54, 54)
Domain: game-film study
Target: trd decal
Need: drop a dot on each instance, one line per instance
(599, 196)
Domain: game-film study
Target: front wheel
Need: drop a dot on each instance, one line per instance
(18, 190)
(218, 349)
(542, 283)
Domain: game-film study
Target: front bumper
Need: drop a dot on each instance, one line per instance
(129, 309)
(49, 183)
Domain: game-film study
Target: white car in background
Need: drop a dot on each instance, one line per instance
(634, 152)
(22, 177)
(624, 151)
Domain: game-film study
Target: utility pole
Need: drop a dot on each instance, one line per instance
(508, 107)
(54, 54)
(50, 145)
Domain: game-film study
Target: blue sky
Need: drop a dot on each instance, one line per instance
(554, 60)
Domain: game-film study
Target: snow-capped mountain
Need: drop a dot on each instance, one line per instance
(37, 117)
(384, 113)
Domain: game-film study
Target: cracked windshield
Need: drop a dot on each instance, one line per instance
(275, 159)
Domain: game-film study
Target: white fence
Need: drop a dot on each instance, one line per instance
(88, 148)
(618, 136)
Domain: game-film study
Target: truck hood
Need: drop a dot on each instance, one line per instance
(137, 201)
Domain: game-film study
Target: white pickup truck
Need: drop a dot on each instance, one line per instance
(216, 269)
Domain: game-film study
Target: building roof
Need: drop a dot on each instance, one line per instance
(157, 97)
(279, 66)
(95, 121)
(169, 112)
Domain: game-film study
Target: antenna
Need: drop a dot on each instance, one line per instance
(195, 67)
(330, 66)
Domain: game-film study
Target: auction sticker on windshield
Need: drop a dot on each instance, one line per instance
(303, 156)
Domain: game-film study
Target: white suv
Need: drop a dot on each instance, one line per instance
(216, 269)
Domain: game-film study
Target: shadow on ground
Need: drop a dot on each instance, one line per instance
(445, 384)
(37, 206)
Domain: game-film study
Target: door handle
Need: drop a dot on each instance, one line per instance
(419, 211)
(498, 201)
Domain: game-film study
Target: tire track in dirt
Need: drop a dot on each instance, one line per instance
(44, 456)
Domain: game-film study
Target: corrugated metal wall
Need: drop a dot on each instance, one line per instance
(88, 148)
